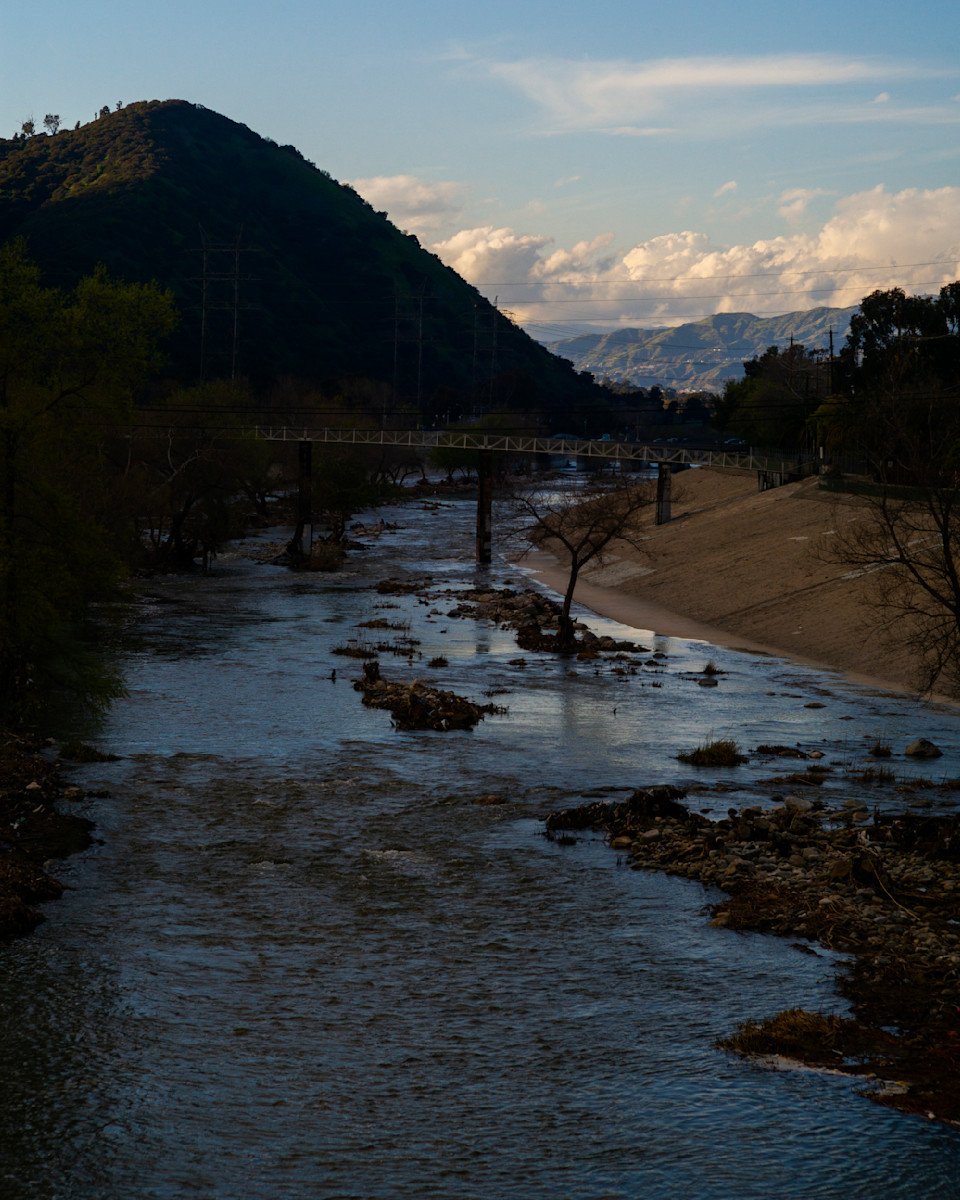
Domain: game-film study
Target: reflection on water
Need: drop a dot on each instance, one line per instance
(305, 962)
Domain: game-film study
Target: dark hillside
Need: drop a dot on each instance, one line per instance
(328, 288)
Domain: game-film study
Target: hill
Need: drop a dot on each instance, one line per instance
(700, 354)
(250, 235)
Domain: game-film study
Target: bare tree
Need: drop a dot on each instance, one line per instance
(51, 123)
(580, 527)
(907, 539)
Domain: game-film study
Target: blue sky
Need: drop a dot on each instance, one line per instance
(592, 165)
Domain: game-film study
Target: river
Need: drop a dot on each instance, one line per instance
(312, 956)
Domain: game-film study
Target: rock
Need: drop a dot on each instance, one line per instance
(707, 681)
(797, 804)
(923, 748)
(621, 843)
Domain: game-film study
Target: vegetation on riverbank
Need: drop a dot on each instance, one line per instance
(32, 832)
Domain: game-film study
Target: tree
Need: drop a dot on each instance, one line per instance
(901, 407)
(69, 366)
(774, 402)
(193, 471)
(580, 528)
(28, 128)
(51, 122)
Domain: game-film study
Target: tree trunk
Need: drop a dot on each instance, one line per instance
(565, 631)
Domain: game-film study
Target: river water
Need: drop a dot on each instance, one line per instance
(316, 957)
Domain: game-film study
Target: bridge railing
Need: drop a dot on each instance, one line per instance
(614, 451)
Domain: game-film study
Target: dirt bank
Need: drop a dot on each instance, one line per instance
(33, 831)
(744, 568)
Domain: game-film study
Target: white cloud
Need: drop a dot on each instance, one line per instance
(487, 255)
(620, 97)
(725, 188)
(411, 203)
(873, 239)
(882, 98)
(794, 201)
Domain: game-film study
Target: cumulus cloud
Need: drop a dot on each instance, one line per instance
(873, 239)
(411, 203)
(725, 188)
(794, 201)
(490, 256)
(882, 98)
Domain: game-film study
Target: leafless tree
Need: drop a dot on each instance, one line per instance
(907, 540)
(580, 526)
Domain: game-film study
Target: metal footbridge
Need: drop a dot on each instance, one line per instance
(771, 471)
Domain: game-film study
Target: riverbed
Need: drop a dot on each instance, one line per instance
(314, 956)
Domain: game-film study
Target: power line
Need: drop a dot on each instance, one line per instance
(937, 262)
(697, 296)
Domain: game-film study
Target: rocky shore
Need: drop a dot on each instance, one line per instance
(33, 832)
(884, 889)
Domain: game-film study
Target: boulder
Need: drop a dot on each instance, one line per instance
(923, 748)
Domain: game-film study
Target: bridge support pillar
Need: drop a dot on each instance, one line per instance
(302, 541)
(664, 479)
(485, 508)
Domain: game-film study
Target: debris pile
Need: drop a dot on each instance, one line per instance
(536, 619)
(885, 889)
(417, 706)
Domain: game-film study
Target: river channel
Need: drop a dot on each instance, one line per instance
(312, 956)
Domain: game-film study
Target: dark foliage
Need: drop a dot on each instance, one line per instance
(329, 288)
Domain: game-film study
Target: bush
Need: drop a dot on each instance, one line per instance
(723, 753)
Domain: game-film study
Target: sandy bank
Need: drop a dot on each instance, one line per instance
(746, 569)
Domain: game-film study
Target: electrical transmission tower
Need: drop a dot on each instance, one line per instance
(408, 329)
(486, 350)
(220, 279)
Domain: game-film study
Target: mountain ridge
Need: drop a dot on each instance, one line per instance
(698, 355)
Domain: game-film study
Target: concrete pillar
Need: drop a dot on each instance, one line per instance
(485, 508)
(664, 478)
(305, 495)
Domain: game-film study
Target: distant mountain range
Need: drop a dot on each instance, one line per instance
(701, 354)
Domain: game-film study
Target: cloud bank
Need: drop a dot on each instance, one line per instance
(873, 239)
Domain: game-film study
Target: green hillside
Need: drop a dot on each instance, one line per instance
(323, 288)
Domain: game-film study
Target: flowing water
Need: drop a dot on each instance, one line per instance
(312, 956)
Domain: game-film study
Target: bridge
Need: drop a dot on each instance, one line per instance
(771, 471)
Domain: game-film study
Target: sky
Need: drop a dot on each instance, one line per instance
(587, 166)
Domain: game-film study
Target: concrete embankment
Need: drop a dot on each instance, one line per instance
(750, 569)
